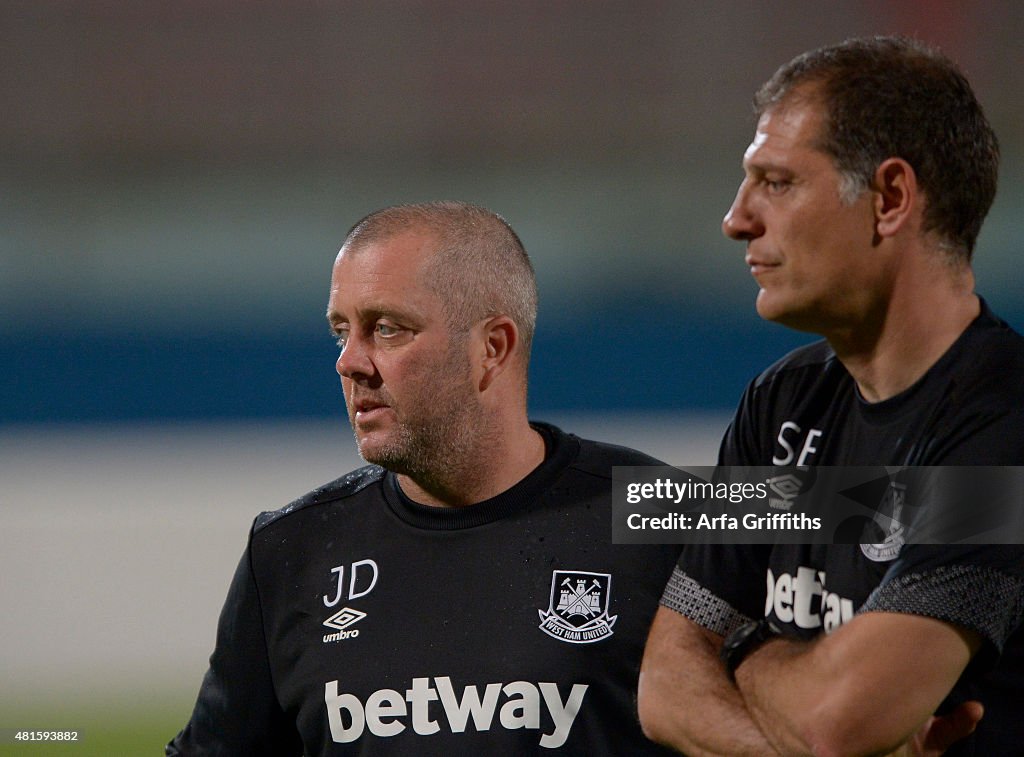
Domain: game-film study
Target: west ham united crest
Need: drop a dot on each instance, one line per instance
(888, 519)
(578, 609)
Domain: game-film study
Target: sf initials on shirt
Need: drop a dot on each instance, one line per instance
(788, 431)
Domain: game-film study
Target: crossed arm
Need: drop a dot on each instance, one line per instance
(865, 689)
(685, 699)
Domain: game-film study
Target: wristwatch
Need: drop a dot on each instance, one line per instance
(744, 640)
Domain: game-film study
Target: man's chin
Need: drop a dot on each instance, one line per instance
(769, 307)
(777, 310)
(370, 449)
(377, 450)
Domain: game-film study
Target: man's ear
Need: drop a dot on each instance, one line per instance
(896, 196)
(500, 339)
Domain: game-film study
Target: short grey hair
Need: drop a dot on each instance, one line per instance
(480, 268)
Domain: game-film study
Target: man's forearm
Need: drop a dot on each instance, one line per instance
(686, 700)
(866, 688)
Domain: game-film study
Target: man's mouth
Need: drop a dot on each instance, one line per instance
(760, 266)
(367, 409)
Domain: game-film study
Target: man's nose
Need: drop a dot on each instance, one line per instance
(354, 361)
(741, 222)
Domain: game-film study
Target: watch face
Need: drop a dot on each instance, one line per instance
(744, 640)
(744, 632)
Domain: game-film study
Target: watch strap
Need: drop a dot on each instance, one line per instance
(742, 642)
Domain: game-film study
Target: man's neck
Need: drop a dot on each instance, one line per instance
(499, 463)
(890, 354)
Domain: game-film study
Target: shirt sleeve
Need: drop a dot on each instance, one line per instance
(237, 711)
(977, 587)
(719, 586)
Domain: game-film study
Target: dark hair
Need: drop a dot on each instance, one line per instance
(887, 97)
(479, 269)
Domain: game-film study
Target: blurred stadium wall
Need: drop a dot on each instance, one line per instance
(175, 179)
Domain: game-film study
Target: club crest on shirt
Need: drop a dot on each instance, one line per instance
(888, 520)
(578, 607)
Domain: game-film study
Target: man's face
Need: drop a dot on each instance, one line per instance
(810, 252)
(407, 380)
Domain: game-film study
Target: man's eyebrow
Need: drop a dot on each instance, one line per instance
(376, 310)
(764, 165)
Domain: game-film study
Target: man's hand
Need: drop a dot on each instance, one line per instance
(940, 732)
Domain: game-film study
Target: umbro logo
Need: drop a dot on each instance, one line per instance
(362, 578)
(341, 621)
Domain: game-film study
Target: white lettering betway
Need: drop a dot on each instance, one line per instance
(384, 710)
(791, 598)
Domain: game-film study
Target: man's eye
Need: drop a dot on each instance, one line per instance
(386, 330)
(340, 338)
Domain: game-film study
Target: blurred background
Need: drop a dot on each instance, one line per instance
(175, 180)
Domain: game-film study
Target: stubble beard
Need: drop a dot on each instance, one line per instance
(438, 446)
